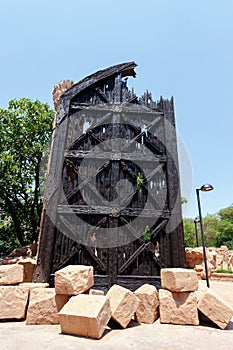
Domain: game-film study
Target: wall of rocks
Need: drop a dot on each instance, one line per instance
(218, 258)
(83, 311)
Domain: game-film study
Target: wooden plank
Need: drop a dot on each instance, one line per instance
(176, 242)
(101, 93)
(133, 257)
(140, 240)
(112, 211)
(134, 282)
(85, 247)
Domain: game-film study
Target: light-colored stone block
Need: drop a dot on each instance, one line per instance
(178, 308)
(31, 285)
(148, 308)
(44, 305)
(179, 280)
(85, 315)
(74, 279)
(13, 302)
(11, 274)
(96, 292)
(216, 309)
(29, 266)
(123, 304)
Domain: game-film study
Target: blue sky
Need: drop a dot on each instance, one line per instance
(183, 48)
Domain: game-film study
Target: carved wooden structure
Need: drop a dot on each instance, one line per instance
(142, 123)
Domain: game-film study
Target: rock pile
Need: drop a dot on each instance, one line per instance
(83, 311)
(14, 294)
(218, 258)
(177, 298)
(180, 299)
(25, 256)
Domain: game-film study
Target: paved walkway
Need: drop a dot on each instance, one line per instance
(18, 336)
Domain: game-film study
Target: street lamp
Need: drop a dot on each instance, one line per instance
(204, 188)
(196, 220)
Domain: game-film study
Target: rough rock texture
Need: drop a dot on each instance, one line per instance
(123, 304)
(179, 280)
(96, 292)
(74, 279)
(222, 277)
(44, 306)
(13, 302)
(28, 250)
(31, 285)
(194, 256)
(215, 308)
(85, 315)
(219, 258)
(11, 274)
(29, 266)
(148, 308)
(178, 308)
(59, 89)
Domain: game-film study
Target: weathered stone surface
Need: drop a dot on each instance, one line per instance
(28, 250)
(194, 256)
(44, 305)
(123, 304)
(96, 292)
(85, 315)
(178, 308)
(74, 279)
(222, 277)
(219, 258)
(211, 268)
(148, 308)
(179, 280)
(13, 302)
(31, 285)
(29, 266)
(11, 274)
(215, 308)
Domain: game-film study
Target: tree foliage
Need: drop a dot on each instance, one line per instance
(218, 229)
(25, 129)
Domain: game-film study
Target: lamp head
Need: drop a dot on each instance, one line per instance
(196, 220)
(206, 188)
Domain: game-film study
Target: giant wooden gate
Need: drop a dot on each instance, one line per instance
(112, 197)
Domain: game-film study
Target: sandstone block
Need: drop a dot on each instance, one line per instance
(31, 285)
(85, 315)
(74, 279)
(96, 292)
(194, 256)
(123, 304)
(29, 266)
(44, 305)
(13, 302)
(148, 308)
(215, 308)
(178, 308)
(179, 280)
(11, 274)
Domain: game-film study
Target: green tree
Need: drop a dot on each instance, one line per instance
(25, 129)
(226, 226)
(189, 233)
(211, 231)
(218, 229)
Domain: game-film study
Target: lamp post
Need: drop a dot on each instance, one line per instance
(204, 188)
(196, 220)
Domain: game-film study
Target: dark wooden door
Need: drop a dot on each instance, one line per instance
(112, 199)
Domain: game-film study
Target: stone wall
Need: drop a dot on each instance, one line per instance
(218, 258)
